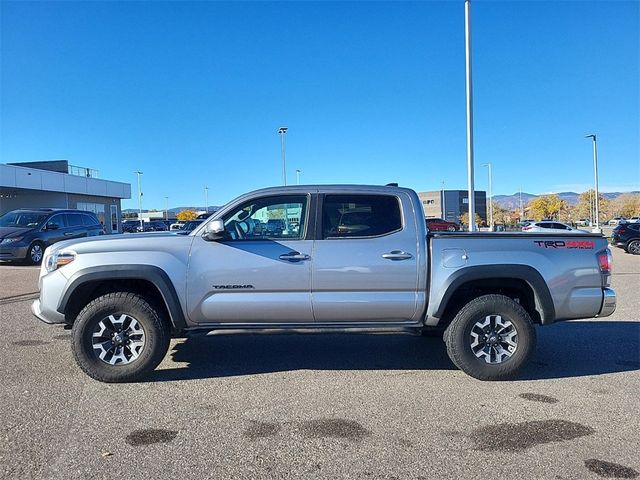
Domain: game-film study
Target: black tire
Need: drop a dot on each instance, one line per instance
(35, 253)
(458, 337)
(633, 247)
(156, 337)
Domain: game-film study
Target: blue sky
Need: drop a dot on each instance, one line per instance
(193, 93)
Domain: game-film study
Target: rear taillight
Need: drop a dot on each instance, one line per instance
(621, 230)
(526, 228)
(604, 261)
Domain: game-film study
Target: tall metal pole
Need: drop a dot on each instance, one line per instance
(206, 198)
(595, 174)
(521, 209)
(282, 131)
(490, 197)
(138, 173)
(298, 176)
(470, 179)
(444, 208)
(166, 208)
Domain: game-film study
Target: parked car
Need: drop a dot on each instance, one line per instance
(438, 224)
(26, 233)
(190, 226)
(634, 220)
(154, 226)
(550, 227)
(617, 221)
(126, 297)
(275, 226)
(130, 226)
(627, 236)
(177, 225)
(583, 222)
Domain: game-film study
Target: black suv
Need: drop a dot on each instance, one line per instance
(25, 233)
(627, 236)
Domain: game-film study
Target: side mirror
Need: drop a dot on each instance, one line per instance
(213, 230)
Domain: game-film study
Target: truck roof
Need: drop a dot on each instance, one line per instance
(331, 187)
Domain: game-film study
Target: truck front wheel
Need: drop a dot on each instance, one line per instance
(491, 338)
(119, 337)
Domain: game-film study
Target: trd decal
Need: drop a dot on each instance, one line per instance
(232, 287)
(570, 244)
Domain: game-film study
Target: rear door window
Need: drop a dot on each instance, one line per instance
(74, 220)
(89, 221)
(345, 216)
(60, 220)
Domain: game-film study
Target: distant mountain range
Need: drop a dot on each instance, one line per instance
(511, 202)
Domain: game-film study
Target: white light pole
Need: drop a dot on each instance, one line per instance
(206, 198)
(282, 131)
(298, 171)
(490, 197)
(138, 173)
(470, 180)
(166, 208)
(521, 209)
(595, 174)
(444, 208)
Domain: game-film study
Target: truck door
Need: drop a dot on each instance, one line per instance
(256, 273)
(365, 259)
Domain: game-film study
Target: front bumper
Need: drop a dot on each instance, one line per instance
(18, 252)
(47, 316)
(609, 302)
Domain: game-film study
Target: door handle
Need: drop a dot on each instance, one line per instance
(294, 256)
(397, 255)
(68, 234)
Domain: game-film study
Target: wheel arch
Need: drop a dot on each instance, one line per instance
(515, 281)
(147, 280)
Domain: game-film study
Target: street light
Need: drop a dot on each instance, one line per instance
(490, 197)
(469, 88)
(138, 173)
(206, 198)
(595, 174)
(282, 131)
(298, 171)
(166, 208)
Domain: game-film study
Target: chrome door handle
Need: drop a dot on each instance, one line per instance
(294, 256)
(68, 234)
(397, 255)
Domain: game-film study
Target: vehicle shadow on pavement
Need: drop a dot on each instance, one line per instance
(224, 355)
(567, 349)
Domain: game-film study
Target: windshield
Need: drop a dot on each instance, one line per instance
(22, 219)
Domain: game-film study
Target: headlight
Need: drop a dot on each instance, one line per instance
(59, 259)
(10, 240)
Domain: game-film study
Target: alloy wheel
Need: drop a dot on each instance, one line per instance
(494, 339)
(118, 340)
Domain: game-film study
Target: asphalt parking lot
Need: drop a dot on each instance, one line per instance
(323, 406)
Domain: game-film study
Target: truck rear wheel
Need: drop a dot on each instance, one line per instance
(491, 338)
(119, 337)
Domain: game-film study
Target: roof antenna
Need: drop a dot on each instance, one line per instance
(395, 184)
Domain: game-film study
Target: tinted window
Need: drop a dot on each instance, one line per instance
(346, 216)
(74, 219)
(89, 220)
(59, 220)
(545, 225)
(560, 226)
(280, 217)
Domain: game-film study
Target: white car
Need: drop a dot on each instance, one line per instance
(634, 220)
(617, 221)
(550, 227)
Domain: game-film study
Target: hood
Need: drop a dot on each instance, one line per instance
(123, 242)
(8, 232)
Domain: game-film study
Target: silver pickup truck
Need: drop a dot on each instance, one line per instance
(327, 258)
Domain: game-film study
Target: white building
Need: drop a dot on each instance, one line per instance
(56, 184)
